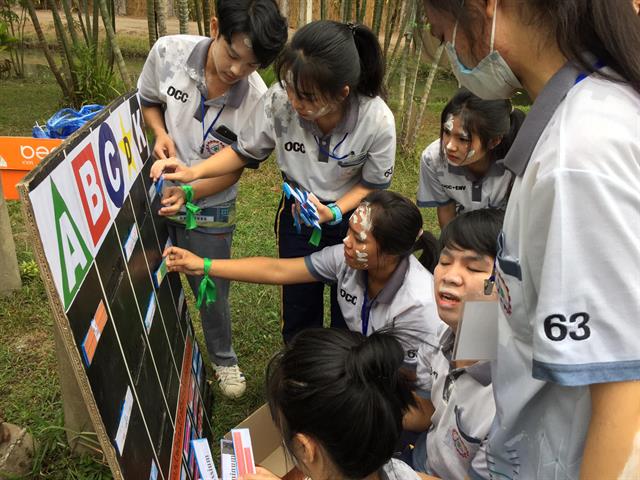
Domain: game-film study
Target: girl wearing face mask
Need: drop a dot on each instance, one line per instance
(332, 135)
(567, 374)
(338, 399)
(463, 169)
(380, 283)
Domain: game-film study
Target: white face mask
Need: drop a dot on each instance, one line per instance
(491, 79)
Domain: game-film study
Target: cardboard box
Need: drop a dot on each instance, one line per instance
(268, 448)
(20, 155)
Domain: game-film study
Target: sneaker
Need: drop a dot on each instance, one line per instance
(231, 380)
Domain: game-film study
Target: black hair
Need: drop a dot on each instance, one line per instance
(344, 390)
(260, 20)
(607, 29)
(486, 119)
(397, 227)
(476, 230)
(325, 55)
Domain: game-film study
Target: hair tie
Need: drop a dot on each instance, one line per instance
(352, 27)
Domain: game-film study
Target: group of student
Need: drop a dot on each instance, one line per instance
(563, 258)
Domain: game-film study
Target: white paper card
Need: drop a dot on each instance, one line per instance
(204, 459)
(243, 451)
(227, 460)
(131, 241)
(477, 335)
(125, 415)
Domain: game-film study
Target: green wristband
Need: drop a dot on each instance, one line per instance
(207, 290)
(191, 209)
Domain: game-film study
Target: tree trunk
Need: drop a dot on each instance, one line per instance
(309, 16)
(151, 23)
(362, 12)
(183, 16)
(198, 8)
(425, 94)
(206, 14)
(284, 8)
(406, 122)
(161, 17)
(377, 16)
(67, 90)
(111, 37)
(403, 76)
(83, 27)
(392, 61)
(323, 9)
(67, 54)
(66, 6)
(9, 272)
(390, 26)
(346, 13)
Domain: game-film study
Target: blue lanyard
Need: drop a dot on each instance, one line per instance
(365, 313)
(333, 152)
(205, 134)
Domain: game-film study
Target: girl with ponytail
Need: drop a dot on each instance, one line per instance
(463, 170)
(338, 398)
(332, 134)
(380, 283)
(567, 374)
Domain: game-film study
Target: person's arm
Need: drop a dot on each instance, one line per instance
(173, 198)
(154, 119)
(346, 203)
(225, 162)
(446, 213)
(612, 447)
(418, 418)
(274, 271)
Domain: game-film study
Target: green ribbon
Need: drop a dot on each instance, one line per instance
(191, 209)
(315, 237)
(207, 288)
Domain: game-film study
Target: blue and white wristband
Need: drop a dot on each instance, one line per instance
(337, 214)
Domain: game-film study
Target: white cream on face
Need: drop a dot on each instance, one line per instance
(449, 123)
(471, 154)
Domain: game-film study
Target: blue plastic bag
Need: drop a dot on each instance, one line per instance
(66, 121)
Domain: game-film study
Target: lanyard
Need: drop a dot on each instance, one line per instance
(205, 134)
(333, 152)
(365, 313)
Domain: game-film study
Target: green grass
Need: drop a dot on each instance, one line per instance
(29, 389)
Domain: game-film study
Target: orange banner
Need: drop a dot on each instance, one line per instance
(20, 155)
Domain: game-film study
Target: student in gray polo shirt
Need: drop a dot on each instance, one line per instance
(196, 93)
(332, 135)
(380, 283)
(463, 170)
(567, 375)
(455, 399)
(338, 399)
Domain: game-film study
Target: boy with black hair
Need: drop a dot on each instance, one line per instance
(455, 399)
(196, 93)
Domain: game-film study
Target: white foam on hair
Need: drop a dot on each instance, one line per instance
(362, 215)
(449, 123)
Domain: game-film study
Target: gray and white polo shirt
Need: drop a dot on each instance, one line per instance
(406, 303)
(361, 149)
(396, 469)
(173, 78)
(442, 183)
(567, 279)
(464, 409)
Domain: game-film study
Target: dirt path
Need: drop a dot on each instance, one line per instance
(125, 26)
